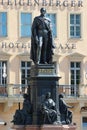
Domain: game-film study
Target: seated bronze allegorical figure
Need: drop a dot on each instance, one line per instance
(48, 110)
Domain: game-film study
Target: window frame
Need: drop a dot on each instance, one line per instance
(25, 68)
(74, 87)
(75, 69)
(69, 25)
(20, 24)
(83, 114)
(55, 36)
(5, 36)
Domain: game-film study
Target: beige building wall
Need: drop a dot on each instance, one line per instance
(15, 49)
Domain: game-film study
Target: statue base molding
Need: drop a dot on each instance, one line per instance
(44, 127)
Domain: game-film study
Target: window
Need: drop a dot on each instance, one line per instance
(26, 24)
(84, 123)
(3, 24)
(75, 77)
(52, 17)
(3, 72)
(75, 25)
(25, 71)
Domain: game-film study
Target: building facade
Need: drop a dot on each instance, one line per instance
(69, 24)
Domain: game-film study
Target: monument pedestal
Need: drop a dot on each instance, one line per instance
(45, 127)
(43, 79)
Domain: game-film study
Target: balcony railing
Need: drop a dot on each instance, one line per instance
(68, 90)
(13, 90)
(73, 90)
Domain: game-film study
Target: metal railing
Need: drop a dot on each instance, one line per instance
(73, 90)
(19, 89)
(69, 90)
(13, 89)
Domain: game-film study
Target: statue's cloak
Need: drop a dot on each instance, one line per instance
(33, 52)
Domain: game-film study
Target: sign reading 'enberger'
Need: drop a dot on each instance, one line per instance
(58, 3)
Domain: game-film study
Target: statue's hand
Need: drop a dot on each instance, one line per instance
(37, 40)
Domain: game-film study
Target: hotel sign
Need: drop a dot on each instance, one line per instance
(61, 48)
(27, 45)
(57, 3)
(60, 3)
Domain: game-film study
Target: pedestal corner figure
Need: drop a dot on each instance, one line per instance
(65, 114)
(42, 39)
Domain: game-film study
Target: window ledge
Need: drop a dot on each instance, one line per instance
(76, 39)
(6, 37)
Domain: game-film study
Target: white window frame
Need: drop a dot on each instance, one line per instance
(75, 68)
(83, 114)
(25, 68)
(6, 25)
(27, 37)
(54, 13)
(75, 85)
(75, 37)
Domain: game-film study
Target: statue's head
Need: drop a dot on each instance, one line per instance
(61, 95)
(43, 11)
(48, 95)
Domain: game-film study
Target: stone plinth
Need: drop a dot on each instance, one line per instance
(51, 127)
(69, 127)
(33, 127)
(44, 127)
(18, 127)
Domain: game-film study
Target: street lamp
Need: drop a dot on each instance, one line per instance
(4, 72)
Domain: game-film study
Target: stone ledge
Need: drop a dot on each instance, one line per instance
(18, 127)
(44, 127)
(51, 127)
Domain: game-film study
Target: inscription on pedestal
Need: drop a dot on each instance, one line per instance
(45, 71)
